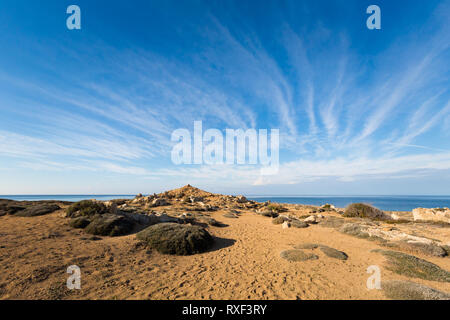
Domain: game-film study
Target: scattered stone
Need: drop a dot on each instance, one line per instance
(286, 225)
(299, 224)
(109, 225)
(172, 238)
(193, 199)
(328, 207)
(297, 255)
(436, 214)
(278, 220)
(411, 266)
(407, 290)
(372, 231)
(311, 219)
(159, 202)
(241, 199)
(332, 222)
(268, 213)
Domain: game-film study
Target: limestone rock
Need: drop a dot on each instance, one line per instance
(311, 219)
(436, 214)
(286, 225)
(241, 199)
(159, 202)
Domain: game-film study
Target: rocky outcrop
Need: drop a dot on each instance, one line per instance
(394, 238)
(436, 214)
(286, 225)
(241, 199)
(159, 202)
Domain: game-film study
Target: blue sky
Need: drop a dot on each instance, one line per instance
(91, 111)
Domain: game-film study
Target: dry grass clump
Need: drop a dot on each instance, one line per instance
(333, 253)
(423, 248)
(399, 221)
(332, 222)
(411, 266)
(407, 290)
(441, 224)
(307, 246)
(297, 255)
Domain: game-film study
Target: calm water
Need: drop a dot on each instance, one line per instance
(68, 197)
(392, 203)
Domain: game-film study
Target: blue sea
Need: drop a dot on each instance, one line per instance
(68, 197)
(391, 203)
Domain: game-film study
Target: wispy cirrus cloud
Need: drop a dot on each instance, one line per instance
(341, 113)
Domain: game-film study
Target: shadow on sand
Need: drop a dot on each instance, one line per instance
(221, 243)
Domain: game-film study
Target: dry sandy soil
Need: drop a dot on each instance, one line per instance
(244, 263)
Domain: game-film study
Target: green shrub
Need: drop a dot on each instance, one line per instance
(79, 222)
(86, 208)
(38, 210)
(362, 210)
(109, 225)
(274, 207)
(177, 239)
(269, 213)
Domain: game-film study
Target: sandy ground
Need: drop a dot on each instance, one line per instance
(244, 263)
